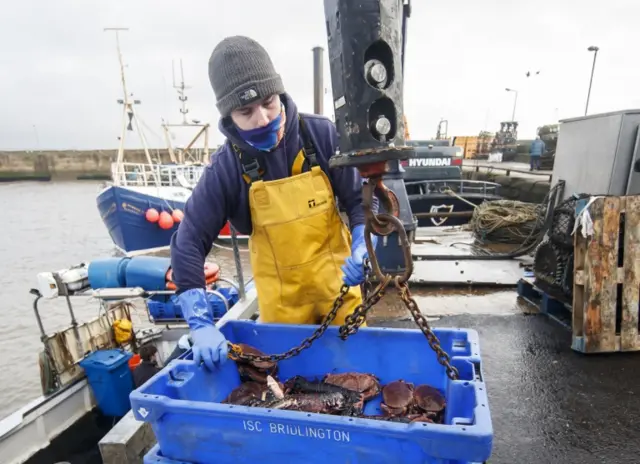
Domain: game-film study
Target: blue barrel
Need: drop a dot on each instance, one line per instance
(110, 379)
(148, 272)
(108, 272)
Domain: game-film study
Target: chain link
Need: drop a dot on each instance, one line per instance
(236, 353)
(370, 297)
(423, 324)
(354, 320)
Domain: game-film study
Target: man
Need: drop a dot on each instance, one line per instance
(271, 179)
(148, 367)
(535, 152)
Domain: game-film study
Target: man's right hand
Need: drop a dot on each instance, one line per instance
(209, 345)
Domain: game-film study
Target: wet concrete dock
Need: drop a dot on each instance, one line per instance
(549, 404)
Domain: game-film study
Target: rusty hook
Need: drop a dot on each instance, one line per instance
(394, 224)
(379, 225)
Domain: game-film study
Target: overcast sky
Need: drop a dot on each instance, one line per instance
(60, 78)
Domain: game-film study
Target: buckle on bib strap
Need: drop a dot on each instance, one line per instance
(251, 168)
(308, 150)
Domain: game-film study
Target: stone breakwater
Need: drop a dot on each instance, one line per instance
(67, 165)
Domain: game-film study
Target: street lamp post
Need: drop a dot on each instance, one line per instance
(594, 49)
(515, 102)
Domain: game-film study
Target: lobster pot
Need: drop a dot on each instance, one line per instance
(183, 402)
(148, 272)
(108, 272)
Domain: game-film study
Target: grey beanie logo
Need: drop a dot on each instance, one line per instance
(241, 72)
(249, 95)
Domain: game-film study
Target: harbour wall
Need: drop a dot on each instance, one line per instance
(96, 164)
(67, 165)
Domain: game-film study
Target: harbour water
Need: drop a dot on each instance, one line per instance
(48, 226)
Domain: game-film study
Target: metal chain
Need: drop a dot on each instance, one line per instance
(367, 285)
(423, 324)
(236, 353)
(386, 224)
(354, 320)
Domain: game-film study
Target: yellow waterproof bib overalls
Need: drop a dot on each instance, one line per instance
(298, 243)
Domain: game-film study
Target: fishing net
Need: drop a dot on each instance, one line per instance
(507, 221)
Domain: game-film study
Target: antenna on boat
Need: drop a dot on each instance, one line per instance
(204, 131)
(180, 88)
(128, 112)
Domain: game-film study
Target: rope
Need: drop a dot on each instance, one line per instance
(507, 222)
(536, 235)
(455, 195)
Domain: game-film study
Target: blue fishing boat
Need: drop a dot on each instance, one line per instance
(142, 205)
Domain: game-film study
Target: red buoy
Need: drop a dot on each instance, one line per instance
(165, 221)
(177, 215)
(152, 215)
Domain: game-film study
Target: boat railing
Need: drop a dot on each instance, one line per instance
(458, 186)
(156, 175)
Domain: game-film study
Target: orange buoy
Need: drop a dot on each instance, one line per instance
(165, 221)
(211, 275)
(152, 215)
(177, 215)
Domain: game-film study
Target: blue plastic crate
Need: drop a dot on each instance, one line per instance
(154, 456)
(110, 379)
(182, 402)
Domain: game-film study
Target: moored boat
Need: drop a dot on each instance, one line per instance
(73, 414)
(143, 203)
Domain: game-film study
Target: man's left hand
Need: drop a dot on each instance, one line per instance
(353, 268)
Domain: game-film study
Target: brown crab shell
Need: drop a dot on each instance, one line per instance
(266, 366)
(246, 392)
(428, 399)
(249, 373)
(397, 397)
(366, 384)
(419, 418)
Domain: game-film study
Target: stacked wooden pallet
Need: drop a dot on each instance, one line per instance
(606, 291)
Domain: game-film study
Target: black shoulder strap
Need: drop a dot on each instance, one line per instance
(308, 150)
(252, 170)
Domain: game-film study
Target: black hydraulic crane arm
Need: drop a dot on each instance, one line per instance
(406, 14)
(366, 43)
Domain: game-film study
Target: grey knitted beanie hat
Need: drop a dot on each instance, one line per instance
(241, 72)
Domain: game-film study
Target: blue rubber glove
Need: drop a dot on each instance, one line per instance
(353, 267)
(209, 345)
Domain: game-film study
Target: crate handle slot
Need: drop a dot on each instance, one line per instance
(476, 370)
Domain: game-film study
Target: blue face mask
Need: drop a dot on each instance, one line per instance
(263, 138)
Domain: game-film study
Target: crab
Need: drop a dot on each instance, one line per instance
(255, 370)
(419, 418)
(365, 384)
(428, 400)
(246, 393)
(397, 398)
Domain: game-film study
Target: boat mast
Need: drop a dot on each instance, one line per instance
(184, 110)
(180, 88)
(127, 110)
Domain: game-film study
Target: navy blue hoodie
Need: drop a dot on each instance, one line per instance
(222, 194)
